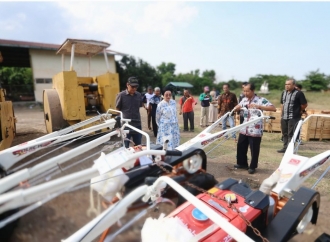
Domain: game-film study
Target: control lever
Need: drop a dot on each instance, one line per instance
(165, 144)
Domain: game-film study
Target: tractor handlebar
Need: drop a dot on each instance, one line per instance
(173, 153)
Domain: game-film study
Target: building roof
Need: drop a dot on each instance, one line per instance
(15, 53)
(180, 84)
(83, 47)
(27, 44)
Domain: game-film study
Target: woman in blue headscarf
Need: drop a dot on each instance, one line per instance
(167, 121)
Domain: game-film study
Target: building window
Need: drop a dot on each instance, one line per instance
(43, 80)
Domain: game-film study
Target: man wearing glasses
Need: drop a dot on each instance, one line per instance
(129, 103)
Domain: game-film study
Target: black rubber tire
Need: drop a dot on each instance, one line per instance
(7, 231)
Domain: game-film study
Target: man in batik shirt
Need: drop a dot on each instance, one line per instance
(226, 102)
(251, 135)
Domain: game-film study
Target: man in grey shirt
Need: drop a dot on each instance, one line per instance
(129, 103)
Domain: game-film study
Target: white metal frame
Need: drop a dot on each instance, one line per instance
(295, 169)
(30, 195)
(205, 138)
(14, 179)
(9, 157)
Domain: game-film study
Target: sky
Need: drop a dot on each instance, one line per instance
(236, 39)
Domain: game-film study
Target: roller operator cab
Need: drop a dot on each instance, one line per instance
(74, 98)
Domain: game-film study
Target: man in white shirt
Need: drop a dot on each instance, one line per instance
(146, 100)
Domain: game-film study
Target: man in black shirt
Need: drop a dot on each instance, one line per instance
(129, 103)
(293, 105)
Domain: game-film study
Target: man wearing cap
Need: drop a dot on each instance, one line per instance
(129, 103)
(205, 99)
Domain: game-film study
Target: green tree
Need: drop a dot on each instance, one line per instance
(17, 81)
(166, 68)
(275, 82)
(210, 74)
(198, 81)
(166, 71)
(233, 84)
(16, 76)
(128, 66)
(167, 78)
(316, 81)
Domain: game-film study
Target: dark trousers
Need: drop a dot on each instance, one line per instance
(188, 116)
(243, 144)
(149, 119)
(241, 119)
(288, 127)
(137, 137)
(154, 124)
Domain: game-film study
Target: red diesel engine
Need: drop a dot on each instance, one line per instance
(253, 205)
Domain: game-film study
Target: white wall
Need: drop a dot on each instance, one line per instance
(45, 64)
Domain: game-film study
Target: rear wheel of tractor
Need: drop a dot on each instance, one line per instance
(305, 220)
(53, 111)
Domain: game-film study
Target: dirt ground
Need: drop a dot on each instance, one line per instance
(65, 214)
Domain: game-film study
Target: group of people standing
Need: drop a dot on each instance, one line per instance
(162, 113)
(215, 106)
(293, 105)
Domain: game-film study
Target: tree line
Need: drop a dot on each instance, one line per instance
(21, 80)
(164, 73)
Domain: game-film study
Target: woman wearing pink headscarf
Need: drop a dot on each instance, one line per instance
(205, 99)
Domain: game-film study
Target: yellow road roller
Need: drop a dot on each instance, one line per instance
(74, 98)
(7, 121)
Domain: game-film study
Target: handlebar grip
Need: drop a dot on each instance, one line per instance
(173, 153)
(118, 123)
(179, 179)
(272, 117)
(134, 120)
(149, 180)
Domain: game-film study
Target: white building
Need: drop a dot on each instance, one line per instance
(42, 58)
